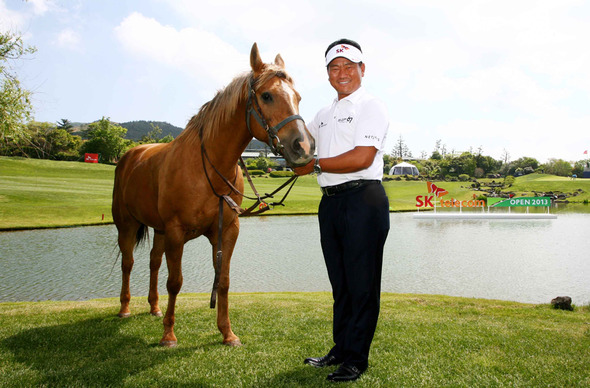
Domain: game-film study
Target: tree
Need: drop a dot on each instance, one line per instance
(558, 167)
(431, 169)
(387, 163)
(579, 167)
(505, 156)
(15, 104)
(153, 136)
(66, 125)
(46, 141)
(106, 139)
(463, 164)
(436, 155)
(401, 150)
(524, 165)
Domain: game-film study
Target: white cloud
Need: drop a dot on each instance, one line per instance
(42, 6)
(10, 20)
(454, 70)
(199, 53)
(69, 39)
(269, 19)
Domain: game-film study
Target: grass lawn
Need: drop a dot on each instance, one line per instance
(420, 341)
(40, 193)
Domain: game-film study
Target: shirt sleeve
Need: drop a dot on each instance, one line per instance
(313, 126)
(373, 124)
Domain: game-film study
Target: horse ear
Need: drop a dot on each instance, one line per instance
(279, 61)
(255, 60)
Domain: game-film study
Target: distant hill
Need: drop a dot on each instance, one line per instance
(138, 129)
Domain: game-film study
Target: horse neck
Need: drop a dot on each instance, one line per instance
(227, 145)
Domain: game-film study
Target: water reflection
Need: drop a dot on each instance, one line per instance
(521, 260)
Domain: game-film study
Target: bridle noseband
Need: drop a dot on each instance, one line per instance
(253, 109)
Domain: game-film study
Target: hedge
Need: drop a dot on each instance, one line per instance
(281, 174)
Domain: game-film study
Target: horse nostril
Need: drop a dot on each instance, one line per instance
(297, 145)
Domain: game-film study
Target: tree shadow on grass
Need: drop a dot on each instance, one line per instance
(94, 352)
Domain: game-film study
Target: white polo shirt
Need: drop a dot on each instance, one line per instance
(356, 120)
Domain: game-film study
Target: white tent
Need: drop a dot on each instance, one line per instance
(404, 168)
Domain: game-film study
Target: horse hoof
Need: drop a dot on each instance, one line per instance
(157, 313)
(168, 344)
(233, 343)
(124, 315)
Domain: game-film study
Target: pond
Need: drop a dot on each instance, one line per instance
(529, 261)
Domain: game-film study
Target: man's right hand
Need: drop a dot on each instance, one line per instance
(304, 170)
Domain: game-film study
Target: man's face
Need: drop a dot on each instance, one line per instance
(345, 76)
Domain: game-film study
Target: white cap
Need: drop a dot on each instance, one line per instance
(346, 51)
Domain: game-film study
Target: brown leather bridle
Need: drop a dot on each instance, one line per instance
(253, 109)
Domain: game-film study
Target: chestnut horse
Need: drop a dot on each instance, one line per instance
(176, 188)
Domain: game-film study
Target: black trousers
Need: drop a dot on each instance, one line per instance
(353, 226)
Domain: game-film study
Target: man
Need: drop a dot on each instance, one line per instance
(354, 210)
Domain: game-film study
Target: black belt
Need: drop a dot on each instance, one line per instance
(333, 190)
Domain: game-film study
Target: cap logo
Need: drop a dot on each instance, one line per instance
(341, 49)
(344, 50)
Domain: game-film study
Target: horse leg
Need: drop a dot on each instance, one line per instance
(230, 235)
(174, 245)
(127, 238)
(155, 263)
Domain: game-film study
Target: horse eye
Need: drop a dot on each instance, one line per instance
(266, 97)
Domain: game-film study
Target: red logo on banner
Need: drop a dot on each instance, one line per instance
(91, 158)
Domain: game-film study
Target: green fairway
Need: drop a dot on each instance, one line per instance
(41, 193)
(420, 341)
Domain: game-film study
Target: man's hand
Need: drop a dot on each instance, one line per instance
(304, 170)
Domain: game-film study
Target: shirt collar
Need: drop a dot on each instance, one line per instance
(353, 97)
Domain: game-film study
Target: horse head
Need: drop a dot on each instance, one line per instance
(273, 102)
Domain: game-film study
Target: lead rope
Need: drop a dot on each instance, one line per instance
(263, 206)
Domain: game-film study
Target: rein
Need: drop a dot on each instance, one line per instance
(252, 109)
(260, 200)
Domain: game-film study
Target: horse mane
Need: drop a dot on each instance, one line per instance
(216, 113)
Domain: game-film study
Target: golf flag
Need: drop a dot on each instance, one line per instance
(586, 152)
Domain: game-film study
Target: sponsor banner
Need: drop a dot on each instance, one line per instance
(91, 158)
(523, 201)
(493, 200)
(439, 193)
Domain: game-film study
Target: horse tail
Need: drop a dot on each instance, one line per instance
(142, 235)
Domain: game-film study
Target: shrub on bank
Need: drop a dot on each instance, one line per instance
(281, 174)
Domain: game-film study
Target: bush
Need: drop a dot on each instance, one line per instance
(463, 177)
(256, 172)
(413, 177)
(509, 181)
(281, 174)
(67, 156)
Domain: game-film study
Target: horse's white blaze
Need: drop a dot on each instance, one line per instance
(292, 96)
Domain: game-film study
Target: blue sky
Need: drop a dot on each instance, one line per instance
(501, 75)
